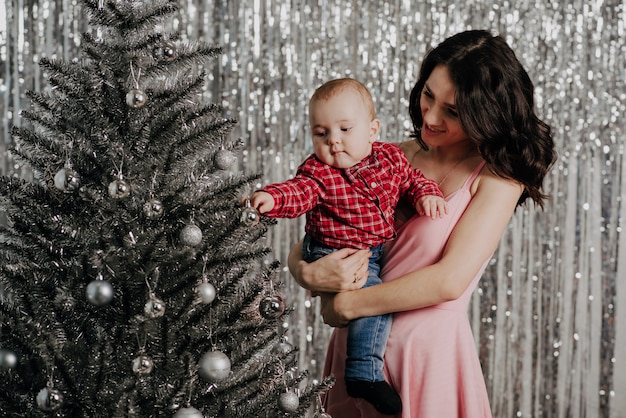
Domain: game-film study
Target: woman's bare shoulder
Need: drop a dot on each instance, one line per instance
(488, 180)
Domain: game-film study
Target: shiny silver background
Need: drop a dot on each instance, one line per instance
(550, 314)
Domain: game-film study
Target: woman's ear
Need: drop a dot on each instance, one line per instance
(374, 130)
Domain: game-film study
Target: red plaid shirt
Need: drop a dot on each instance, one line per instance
(351, 207)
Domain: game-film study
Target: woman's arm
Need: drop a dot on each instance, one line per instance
(335, 272)
(473, 241)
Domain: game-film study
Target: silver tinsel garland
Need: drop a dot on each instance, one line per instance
(550, 314)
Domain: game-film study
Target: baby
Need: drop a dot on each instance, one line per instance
(349, 189)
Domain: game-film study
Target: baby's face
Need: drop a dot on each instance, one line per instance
(342, 129)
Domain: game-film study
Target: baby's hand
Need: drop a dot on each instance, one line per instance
(262, 201)
(433, 206)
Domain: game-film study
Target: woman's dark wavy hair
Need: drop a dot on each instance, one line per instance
(494, 100)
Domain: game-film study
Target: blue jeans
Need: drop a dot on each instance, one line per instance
(367, 336)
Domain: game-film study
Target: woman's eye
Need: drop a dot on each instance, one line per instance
(346, 129)
(453, 113)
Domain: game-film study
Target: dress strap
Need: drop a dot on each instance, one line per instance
(474, 174)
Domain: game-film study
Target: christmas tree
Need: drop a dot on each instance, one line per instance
(133, 282)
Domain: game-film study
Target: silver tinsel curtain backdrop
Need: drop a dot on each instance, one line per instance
(550, 314)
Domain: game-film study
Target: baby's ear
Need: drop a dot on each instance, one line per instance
(374, 130)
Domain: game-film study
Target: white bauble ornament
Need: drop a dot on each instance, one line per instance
(188, 412)
(166, 52)
(136, 98)
(67, 180)
(191, 235)
(249, 216)
(99, 292)
(283, 348)
(142, 365)
(154, 307)
(49, 399)
(207, 292)
(224, 159)
(214, 366)
(272, 307)
(119, 188)
(288, 402)
(8, 359)
(153, 209)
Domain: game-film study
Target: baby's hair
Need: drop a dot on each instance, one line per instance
(332, 87)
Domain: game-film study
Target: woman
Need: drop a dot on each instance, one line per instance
(477, 135)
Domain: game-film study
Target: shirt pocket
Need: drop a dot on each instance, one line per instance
(380, 186)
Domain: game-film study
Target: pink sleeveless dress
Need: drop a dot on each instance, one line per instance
(431, 357)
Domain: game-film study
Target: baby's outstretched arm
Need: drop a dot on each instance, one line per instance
(431, 205)
(262, 201)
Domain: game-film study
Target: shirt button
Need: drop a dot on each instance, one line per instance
(373, 185)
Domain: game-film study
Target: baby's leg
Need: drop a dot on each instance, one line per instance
(366, 343)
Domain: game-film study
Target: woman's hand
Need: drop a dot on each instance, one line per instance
(339, 271)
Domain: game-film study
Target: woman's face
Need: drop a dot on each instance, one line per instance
(441, 124)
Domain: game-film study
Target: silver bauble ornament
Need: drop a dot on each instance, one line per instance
(322, 415)
(67, 180)
(188, 412)
(136, 98)
(49, 399)
(214, 366)
(283, 348)
(166, 52)
(207, 292)
(224, 159)
(249, 216)
(272, 307)
(288, 402)
(99, 292)
(191, 235)
(154, 307)
(153, 209)
(119, 188)
(142, 365)
(8, 359)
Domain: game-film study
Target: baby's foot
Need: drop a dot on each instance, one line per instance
(380, 394)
